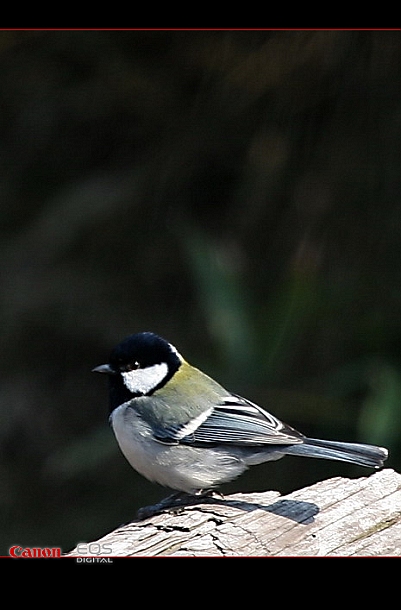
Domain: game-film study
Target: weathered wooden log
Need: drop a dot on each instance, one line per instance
(336, 517)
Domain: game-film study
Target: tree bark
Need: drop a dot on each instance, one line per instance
(336, 517)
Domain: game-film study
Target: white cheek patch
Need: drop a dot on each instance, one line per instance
(143, 381)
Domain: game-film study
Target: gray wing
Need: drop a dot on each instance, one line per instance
(235, 421)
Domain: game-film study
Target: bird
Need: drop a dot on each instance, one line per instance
(180, 428)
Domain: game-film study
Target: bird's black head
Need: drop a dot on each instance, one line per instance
(138, 366)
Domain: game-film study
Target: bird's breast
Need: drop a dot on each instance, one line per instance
(134, 439)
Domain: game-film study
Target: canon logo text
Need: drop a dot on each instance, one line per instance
(34, 552)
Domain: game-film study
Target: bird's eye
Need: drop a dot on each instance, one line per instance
(133, 366)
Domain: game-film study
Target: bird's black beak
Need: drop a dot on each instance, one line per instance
(104, 368)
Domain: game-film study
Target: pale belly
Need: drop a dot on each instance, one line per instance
(178, 467)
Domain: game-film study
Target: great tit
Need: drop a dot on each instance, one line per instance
(179, 428)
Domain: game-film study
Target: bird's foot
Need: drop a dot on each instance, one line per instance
(175, 503)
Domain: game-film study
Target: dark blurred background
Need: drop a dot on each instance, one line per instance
(237, 193)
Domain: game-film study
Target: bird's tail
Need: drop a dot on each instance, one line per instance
(356, 453)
